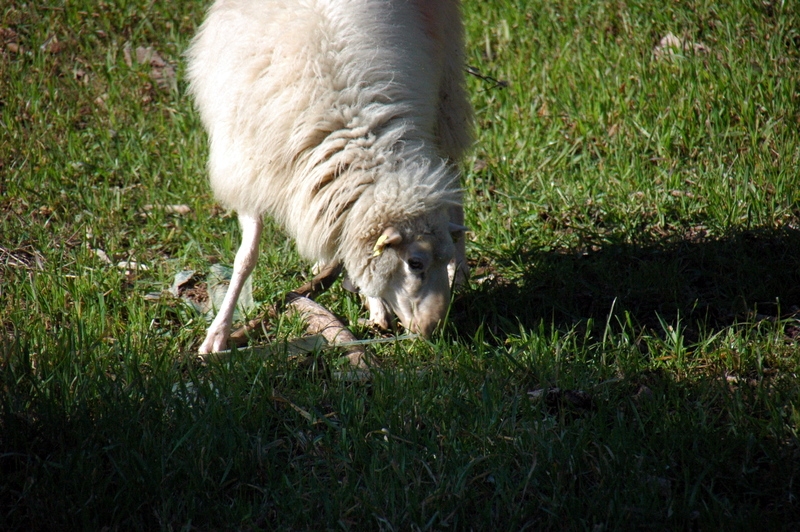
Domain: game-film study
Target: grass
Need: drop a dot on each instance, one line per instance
(625, 357)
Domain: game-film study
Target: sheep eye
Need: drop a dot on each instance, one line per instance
(415, 264)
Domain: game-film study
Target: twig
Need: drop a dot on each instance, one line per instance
(320, 283)
(498, 83)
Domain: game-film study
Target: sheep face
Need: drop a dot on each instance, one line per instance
(413, 266)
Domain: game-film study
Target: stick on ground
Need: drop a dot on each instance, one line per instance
(319, 320)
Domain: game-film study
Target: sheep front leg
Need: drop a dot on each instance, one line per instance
(243, 264)
(378, 313)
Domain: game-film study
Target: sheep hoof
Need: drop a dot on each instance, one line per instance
(379, 314)
(215, 342)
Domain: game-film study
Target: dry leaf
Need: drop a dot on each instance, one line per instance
(100, 101)
(170, 209)
(81, 76)
(27, 258)
(8, 35)
(670, 45)
(161, 72)
(102, 256)
(544, 110)
(9, 38)
(126, 53)
(52, 45)
(132, 266)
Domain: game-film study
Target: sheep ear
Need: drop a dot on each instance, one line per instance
(457, 231)
(390, 237)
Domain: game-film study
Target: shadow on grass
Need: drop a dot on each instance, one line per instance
(724, 449)
(707, 283)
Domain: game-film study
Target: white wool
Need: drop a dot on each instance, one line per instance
(337, 118)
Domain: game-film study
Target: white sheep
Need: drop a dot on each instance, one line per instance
(344, 120)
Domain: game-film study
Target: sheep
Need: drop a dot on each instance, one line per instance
(344, 121)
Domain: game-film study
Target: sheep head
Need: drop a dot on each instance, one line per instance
(408, 272)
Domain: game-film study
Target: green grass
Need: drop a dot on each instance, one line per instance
(625, 358)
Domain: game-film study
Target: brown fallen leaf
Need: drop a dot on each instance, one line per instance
(53, 46)
(8, 35)
(161, 72)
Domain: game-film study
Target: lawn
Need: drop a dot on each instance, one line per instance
(625, 356)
